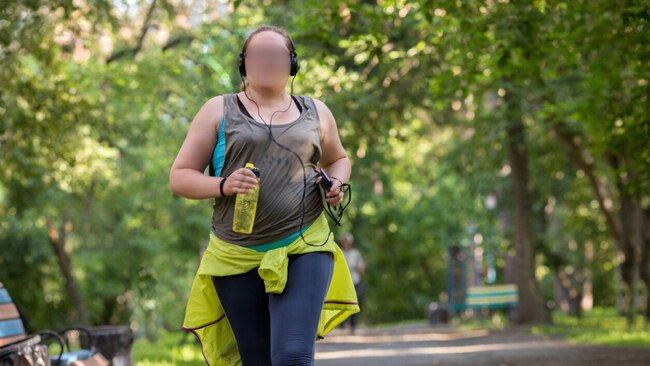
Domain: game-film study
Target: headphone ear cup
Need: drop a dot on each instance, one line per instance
(242, 64)
(294, 64)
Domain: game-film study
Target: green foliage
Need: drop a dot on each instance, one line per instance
(419, 90)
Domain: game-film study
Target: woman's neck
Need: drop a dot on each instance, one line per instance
(267, 97)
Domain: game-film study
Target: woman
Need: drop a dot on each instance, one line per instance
(286, 283)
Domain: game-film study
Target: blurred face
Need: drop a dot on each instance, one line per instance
(267, 60)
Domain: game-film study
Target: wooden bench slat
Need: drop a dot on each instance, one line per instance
(492, 298)
(495, 288)
(496, 300)
(12, 327)
(503, 305)
(4, 296)
(6, 341)
(8, 311)
(491, 294)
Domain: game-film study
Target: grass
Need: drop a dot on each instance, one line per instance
(495, 321)
(171, 348)
(599, 326)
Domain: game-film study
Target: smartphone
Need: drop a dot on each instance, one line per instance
(325, 181)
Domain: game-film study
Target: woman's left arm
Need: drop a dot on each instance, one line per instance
(334, 160)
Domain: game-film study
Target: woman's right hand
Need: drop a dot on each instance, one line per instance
(241, 180)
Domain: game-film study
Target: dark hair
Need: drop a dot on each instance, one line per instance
(268, 28)
(272, 28)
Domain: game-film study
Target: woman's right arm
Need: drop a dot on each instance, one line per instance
(186, 176)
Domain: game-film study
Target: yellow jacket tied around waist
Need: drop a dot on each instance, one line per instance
(205, 317)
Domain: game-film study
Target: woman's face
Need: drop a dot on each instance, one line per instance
(267, 60)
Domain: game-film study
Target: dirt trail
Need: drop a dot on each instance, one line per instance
(421, 345)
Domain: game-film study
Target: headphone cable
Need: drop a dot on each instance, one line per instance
(335, 214)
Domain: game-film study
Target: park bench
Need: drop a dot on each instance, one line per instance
(114, 342)
(15, 346)
(491, 297)
(11, 327)
(476, 298)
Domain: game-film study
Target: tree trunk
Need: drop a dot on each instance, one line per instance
(632, 232)
(531, 307)
(629, 262)
(644, 265)
(59, 241)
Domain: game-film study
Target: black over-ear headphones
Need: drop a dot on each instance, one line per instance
(293, 57)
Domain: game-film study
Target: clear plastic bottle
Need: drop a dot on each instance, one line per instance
(246, 206)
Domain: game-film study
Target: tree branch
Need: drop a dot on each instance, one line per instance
(138, 46)
(582, 159)
(177, 41)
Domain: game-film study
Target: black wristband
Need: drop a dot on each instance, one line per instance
(223, 181)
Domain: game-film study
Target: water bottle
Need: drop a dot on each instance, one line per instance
(246, 206)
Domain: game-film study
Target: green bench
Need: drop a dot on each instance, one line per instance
(491, 297)
(476, 299)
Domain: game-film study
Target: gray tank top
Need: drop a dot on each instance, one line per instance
(241, 140)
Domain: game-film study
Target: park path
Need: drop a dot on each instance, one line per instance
(424, 345)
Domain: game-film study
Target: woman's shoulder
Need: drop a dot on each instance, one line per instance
(321, 108)
(211, 112)
(218, 99)
(216, 103)
(319, 103)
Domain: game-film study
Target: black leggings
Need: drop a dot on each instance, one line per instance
(277, 329)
